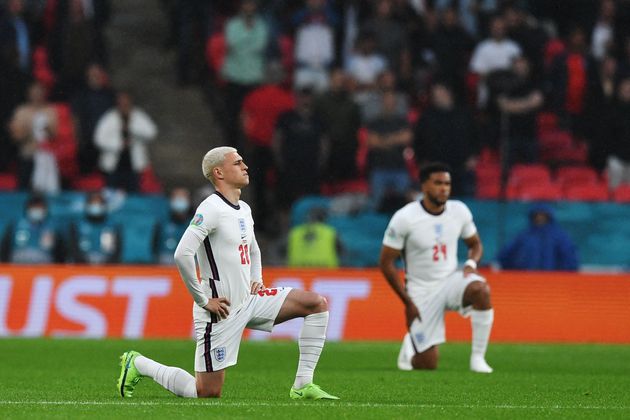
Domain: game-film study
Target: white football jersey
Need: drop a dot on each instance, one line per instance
(225, 254)
(429, 242)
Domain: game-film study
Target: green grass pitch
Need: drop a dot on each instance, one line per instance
(45, 378)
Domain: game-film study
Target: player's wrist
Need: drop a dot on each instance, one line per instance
(471, 263)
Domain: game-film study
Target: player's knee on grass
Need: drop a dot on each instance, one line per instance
(427, 360)
(210, 384)
(208, 391)
(478, 295)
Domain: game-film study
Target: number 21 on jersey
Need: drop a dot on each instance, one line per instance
(439, 252)
(244, 250)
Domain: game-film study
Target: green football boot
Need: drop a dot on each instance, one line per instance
(311, 392)
(129, 375)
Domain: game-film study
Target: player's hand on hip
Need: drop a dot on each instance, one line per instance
(219, 307)
(411, 313)
(257, 286)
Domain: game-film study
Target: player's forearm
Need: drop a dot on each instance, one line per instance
(475, 252)
(391, 275)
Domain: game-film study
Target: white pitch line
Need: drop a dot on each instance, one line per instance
(325, 405)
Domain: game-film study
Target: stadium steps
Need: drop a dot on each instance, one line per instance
(139, 62)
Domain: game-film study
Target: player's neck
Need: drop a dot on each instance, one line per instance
(231, 194)
(432, 208)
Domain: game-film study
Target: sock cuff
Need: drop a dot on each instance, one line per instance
(320, 316)
(484, 317)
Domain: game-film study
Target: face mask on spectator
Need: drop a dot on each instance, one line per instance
(179, 205)
(95, 210)
(36, 214)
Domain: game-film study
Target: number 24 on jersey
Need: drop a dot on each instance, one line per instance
(439, 252)
(244, 250)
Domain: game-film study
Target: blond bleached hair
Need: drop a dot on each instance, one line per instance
(215, 157)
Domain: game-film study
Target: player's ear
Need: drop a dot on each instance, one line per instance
(218, 173)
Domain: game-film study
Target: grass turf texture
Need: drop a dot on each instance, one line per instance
(45, 378)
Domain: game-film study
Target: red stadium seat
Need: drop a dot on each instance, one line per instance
(91, 182)
(587, 192)
(539, 192)
(575, 175)
(8, 182)
(215, 51)
(149, 183)
(622, 194)
(526, 173)
(489, 190)
(546, 122)
(349, 186)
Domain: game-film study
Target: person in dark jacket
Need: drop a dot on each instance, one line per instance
(543, 246)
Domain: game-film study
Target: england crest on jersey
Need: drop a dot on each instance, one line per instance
(219, 354)
(242, 227)
(438, 230)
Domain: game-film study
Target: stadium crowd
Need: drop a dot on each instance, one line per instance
(524, 99)
(358, 95)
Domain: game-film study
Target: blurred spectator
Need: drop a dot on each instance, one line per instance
(14, 34)
(371, 101)
(314, 243)
(95, 239)
(365, 63)
(314, 44)
(88, 106)
(76, 41)
(388, 136)
(599, 113)
(390, 37)
(191, 24)
(13, 87)
(259, 115)
(341, 121)
(520, 104)
(602, 37)
(33, 125)
(569, 78)
(122, 135)
(33, 239)
(543, 246)
(493, 54)
(446, 132)
(246, 37)
(474, 13)
(168, 232)
(618, 163)
(527, 33)
(496, 52)
(624, 60)
(451, 46)
(299, 151)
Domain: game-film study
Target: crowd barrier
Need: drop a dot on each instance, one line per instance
(152, 302)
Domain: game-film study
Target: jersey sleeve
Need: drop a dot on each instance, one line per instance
(468, 226)
(203, 223)
(396, 232)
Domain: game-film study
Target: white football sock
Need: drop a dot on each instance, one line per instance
(406, 354)
(176, 380)
(311, 343)
(481, 325)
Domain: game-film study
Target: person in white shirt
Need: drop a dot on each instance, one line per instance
(425, 234)
(493, 54)
(122, 135)
(229, 294)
